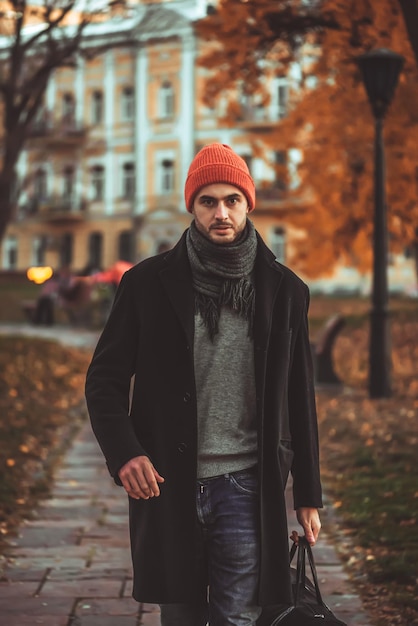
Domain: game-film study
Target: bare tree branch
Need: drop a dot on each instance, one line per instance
(409, 10)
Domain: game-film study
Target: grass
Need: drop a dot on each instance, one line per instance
(11, 296)
(370, 472)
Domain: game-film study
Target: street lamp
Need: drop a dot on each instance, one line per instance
(380, 72)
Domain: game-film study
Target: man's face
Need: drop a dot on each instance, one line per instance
(220, 212)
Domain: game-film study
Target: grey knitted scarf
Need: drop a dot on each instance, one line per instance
(222, 276)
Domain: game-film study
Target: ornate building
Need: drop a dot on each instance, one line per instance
(105, 165)
(104, 168)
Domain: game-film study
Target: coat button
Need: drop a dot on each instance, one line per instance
(187, 397)
(182, 447)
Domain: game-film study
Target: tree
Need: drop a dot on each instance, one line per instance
(331, 123)
(35, 40)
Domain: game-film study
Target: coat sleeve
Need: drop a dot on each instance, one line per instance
(303, 419)
(109, 378)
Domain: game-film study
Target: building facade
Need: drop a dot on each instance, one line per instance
(105, 165)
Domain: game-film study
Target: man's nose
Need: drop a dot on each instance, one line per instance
(221, 212)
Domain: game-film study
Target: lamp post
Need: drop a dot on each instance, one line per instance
(380, 72)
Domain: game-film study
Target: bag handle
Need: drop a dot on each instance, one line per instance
(303, 548)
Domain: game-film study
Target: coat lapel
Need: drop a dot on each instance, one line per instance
(176, 278)
(268, 276)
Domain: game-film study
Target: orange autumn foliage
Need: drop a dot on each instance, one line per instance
(332, 125)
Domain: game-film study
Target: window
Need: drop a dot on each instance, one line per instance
(166, 100)
(249, 161)
(66, 249)
(278, 243)
(95, 250)
(280, 161)
(39, 185)
(128, 104)
(282, 99)
(167, 176)
(97, 107)
(68, 183)
(38, 250)
(97, 182)
(128, 180)
(126, 246)
(10, 253)
(68, 107)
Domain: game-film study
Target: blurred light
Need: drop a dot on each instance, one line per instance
(39, 275)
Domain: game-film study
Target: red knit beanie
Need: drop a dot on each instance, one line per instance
(218, 163)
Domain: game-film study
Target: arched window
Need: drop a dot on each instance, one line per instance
(66, 249)
(126, 246)
(128, 104)
(68, 179)
(97, 182)
(38, 250)
(10, 253)
(40, 185)
(280, 158)
(166, 100)
(128, 180)
(167, 176)
(278, 243)
(282, 100)
(68, 107)
(95, 251)
(97, 107)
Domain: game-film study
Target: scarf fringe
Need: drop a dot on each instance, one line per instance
(222, 276)
(239, 295)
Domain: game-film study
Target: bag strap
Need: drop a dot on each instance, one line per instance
(303, 548)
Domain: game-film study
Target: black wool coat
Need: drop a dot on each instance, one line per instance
(149, 335)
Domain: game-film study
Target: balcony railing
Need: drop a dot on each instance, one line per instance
(55, 208)
(57, 130)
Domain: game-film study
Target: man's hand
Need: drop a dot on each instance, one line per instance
(140, 478)
(308, 518)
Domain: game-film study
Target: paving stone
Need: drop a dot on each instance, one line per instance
(76, 473)
(66, 488)
(62, 523)
(27, 574)
(105, 537)
(55, 561)
(89, 573)
(112, 557)
(93, 620)
(150, 619)
(67, 503)
(30, 620)
(107, 606)
(332, 580)
(92, 588)
(117, 519)
(64, 552)
(36, 607)
(41, 537)
(150, 608)
(17, 589)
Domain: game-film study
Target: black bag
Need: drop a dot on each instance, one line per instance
(308, 608)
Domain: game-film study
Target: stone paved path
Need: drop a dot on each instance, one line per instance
(70, 565)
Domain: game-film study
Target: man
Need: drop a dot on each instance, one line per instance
(222, 408)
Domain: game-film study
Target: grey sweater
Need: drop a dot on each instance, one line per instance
(226, 404)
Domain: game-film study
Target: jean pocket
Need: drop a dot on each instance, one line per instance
(245, 481)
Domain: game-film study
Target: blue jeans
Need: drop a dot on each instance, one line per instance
(229, 552)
